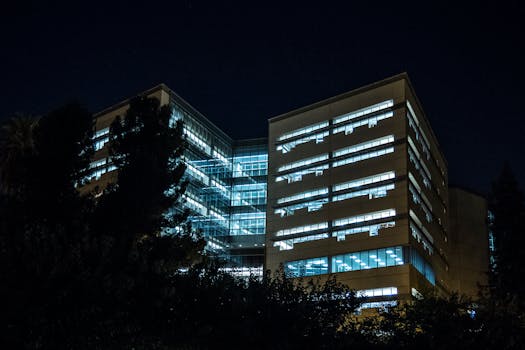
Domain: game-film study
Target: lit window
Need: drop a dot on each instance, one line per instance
(365, 217)
(363, 146)
(374, 192)
(369, 259)
(373, 230)
(298, 175)
(302, 229)
(288, 244)
(364, 111)
(364, 181)
(303, 162)
(304, 195)
(287, 147)
(302, 131)
(308, 267)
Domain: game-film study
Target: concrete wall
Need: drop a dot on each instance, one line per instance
(469, 256)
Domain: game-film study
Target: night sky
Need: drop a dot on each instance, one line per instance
(240, 63)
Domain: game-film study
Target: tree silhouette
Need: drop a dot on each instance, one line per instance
(17, 144)
(506, 203)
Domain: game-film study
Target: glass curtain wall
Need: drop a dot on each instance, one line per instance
(226, 193)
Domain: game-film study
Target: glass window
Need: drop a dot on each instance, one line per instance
(369, 259)
(364, 111)
(302, 131)
(308, 267)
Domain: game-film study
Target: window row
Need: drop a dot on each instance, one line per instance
(363, 260)
(348, 128)
(250, 166)
(415, 161)
(98, 163)
(364, 181)
(365, 217)
(422, 266)
(371, 122)
(196, 173)
(302, 131)
(418, 156)
(288, 244)
(415, 219)
(287, 147)
(302, 229)
(319, 169)
(369, 259)
(311, 205)
(416, 185)
(340, 222)
(373, 192)
(100, 143)
(196, 140)
(377, 292)
(373, 230)
(364, 111)
(365, 156)
(377, 305)
(98, 172)
(363, 146)
(100, 133)
(304, 195)
(194, 205)
(303, 162)
(298, 175)
(413, 122)
(418, 235)
(417, 200)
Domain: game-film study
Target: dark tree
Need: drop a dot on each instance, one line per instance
(79, 272)
(41, 220)
(430, 323)
(506, 203)
(443, 323)
(213, 310)
(17, 147)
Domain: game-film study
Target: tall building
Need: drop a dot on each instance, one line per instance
(357, 187)
(227, 181)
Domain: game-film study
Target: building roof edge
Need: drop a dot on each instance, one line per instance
(336, 98)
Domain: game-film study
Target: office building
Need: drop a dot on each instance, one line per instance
(357, 187)
(227, 182)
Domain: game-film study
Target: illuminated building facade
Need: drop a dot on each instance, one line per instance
(226, 193)
(357, 187)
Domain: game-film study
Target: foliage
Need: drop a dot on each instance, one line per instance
(41, 219)
(506, 203)
(17, 144)
(74, 270)
(212, 309)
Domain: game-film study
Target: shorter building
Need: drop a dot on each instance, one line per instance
(226, 193)
(469, 241)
